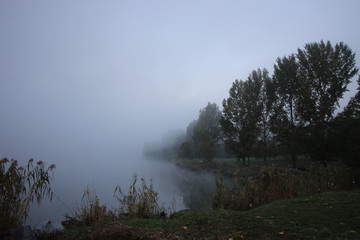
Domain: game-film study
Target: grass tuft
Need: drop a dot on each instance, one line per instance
(92, 212)
(139, 202)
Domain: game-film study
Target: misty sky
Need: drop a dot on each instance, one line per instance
(108, 76)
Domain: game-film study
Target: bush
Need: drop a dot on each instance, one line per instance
(92, 212)
(273, 183)
(19, 187)
(139, 203)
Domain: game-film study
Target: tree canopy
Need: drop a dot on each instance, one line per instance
(246, 114)
(291, 112)
(325, 72)
(296, 107)
(203, 134)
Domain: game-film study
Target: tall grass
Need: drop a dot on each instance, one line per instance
(139, 202)
(92, 212)
(275, 182)
(20, 186)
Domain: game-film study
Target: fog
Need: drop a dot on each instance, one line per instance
(87, 84)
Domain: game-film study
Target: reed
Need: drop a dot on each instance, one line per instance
(92, 212)
(20, 186)
(139, 202)
(277, 182)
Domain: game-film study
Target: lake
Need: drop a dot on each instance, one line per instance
(183, 187)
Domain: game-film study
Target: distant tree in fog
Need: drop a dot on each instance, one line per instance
(203, 134)
(206, 131)
(168, 148)
(190, 130)
(186, 148)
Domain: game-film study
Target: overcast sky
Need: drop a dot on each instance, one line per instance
(96, 76)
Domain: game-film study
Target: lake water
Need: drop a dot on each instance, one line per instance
(181, 186)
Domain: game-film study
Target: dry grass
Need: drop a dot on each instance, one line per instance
(92, 212)
(139, 202)
(275, 182)
(20, 187)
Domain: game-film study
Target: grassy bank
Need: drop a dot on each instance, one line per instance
(272, 202)
(329, 215)
(332, 215)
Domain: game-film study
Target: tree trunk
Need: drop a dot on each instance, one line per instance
(293, 158)
(265, 159)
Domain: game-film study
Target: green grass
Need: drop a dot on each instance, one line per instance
(332, 215)
(328, 215)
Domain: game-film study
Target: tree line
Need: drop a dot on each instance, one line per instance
(294, 111)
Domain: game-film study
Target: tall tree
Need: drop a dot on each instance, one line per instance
(265, 103)
(325, 72)
(233, 120)
(286, 120)
(206, 131)
(187, 148)
(244, 115)
(309, 86)
(252, 116)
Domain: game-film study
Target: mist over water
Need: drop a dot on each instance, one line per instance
(99, 147)
(102, 174)
(102, 177)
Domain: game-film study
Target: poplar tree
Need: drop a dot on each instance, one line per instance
(325, 72)
(246, 113)
(286, 120)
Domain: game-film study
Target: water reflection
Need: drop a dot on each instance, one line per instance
(178, 188)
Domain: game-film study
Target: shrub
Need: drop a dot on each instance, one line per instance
(139, 202)
(274, 182)
(92, 212)
(19, 187)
